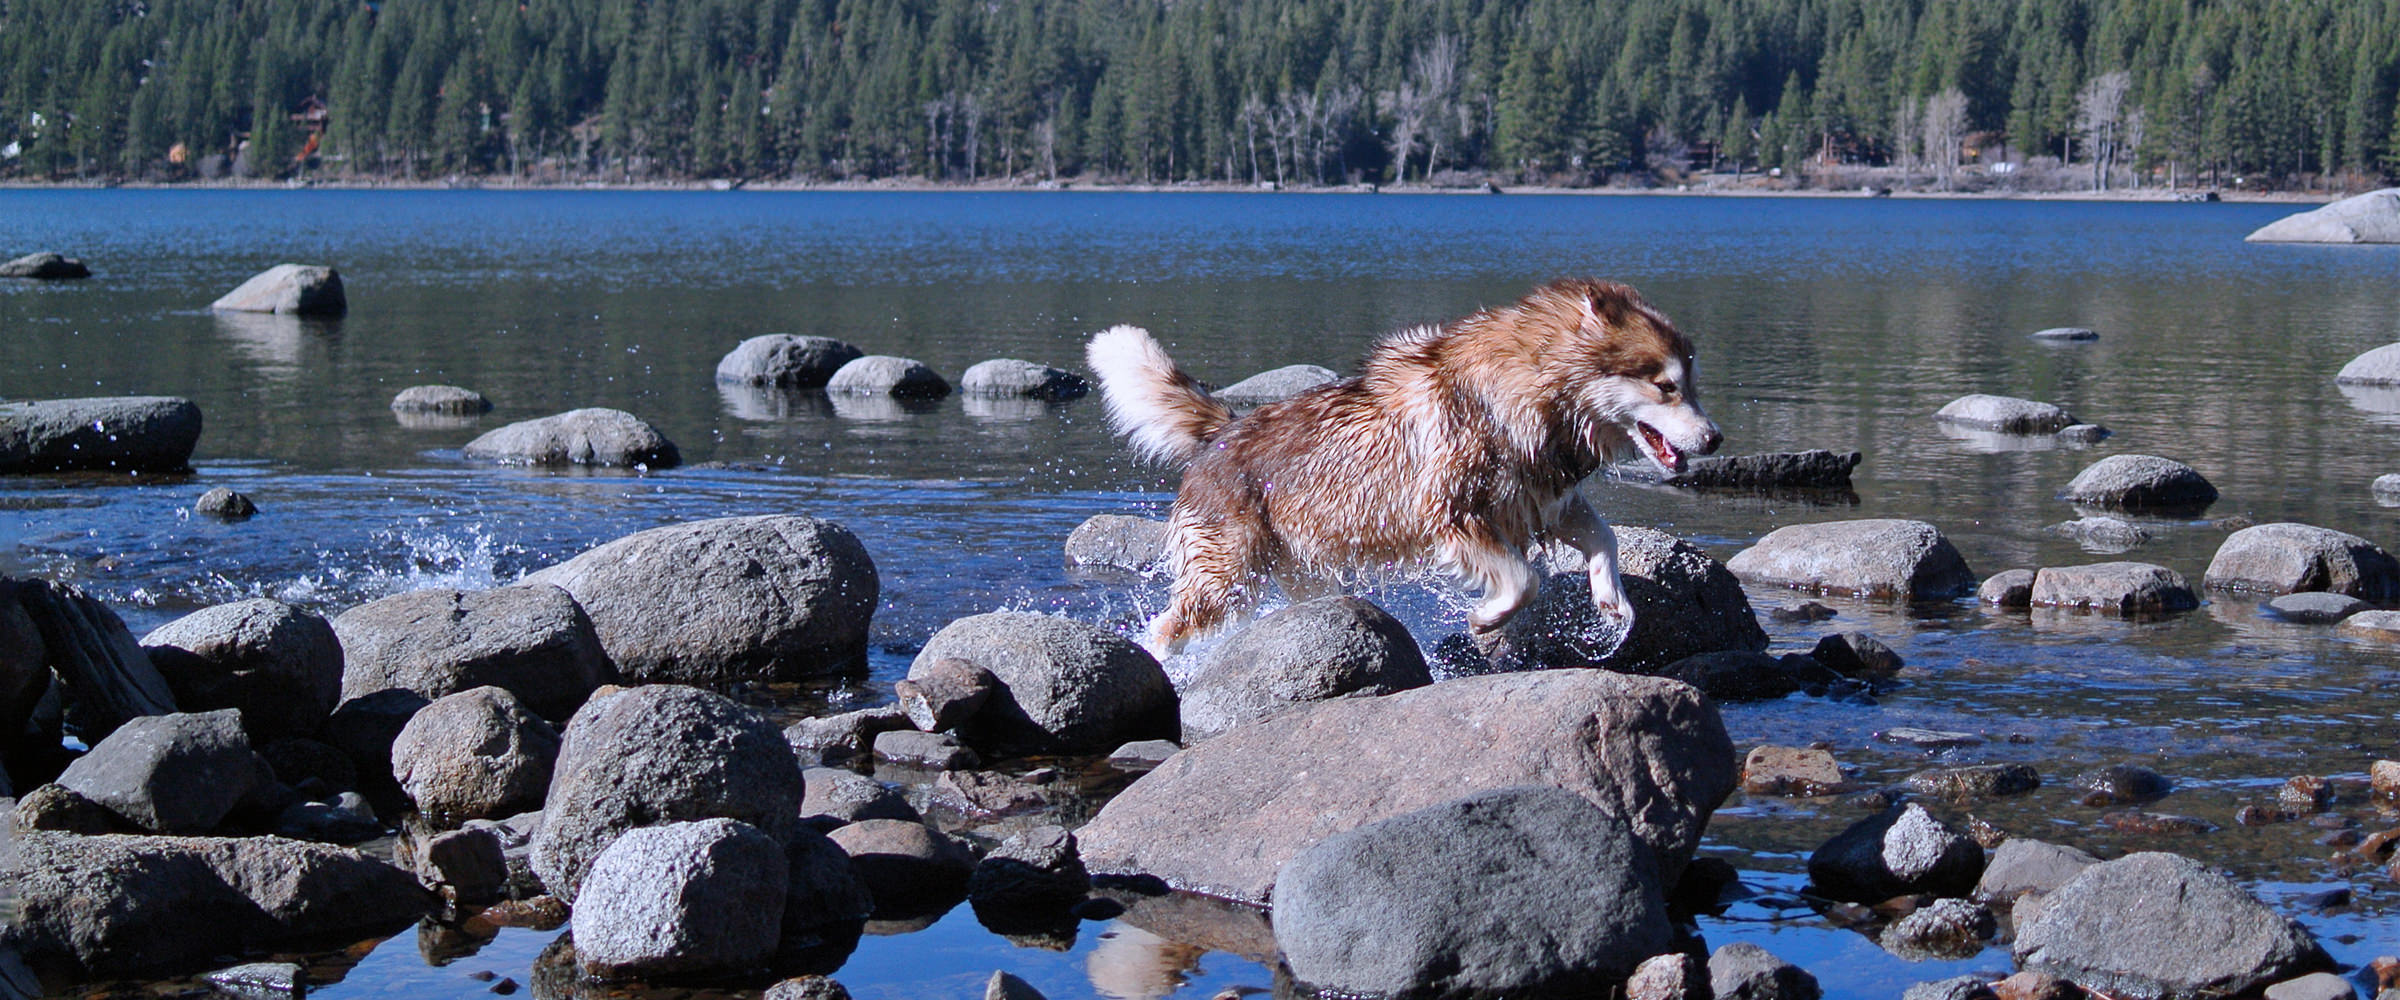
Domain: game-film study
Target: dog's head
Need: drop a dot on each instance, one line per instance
(1627, 372)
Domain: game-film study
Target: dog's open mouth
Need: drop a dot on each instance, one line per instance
(1660, 451)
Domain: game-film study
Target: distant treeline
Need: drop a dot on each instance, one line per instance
(1294, 91)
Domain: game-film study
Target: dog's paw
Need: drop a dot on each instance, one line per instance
(1618, 609)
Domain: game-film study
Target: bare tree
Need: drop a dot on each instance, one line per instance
(1419, 106)
(2100, 119)
(1945, 131)
(1906, 135)
(1253, 112)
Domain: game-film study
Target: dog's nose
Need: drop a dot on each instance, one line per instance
(1710, 441)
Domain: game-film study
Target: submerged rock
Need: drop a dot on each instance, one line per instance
(46, 265)
(2140, 482)
(2120, 784)
(1010, 377)
(2284, 558)
(2314, 607)
(2162, 926)
(1276, 385)
(109, 433)
(2122, 588)
(1975, 781)
(1885, 559)
(785, 359)
(281, 666)
(589, 436)
(1065, 686)
(2066, 333)
(1816, 469)
(2005, 414)
(2103, 534)
(1310, 651)
(2373, 217)
(288, 288)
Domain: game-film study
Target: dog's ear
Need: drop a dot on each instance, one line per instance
(1605, 303)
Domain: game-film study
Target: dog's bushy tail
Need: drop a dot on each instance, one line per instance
(1163, 413)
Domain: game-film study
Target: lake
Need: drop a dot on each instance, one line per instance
(1839, 323)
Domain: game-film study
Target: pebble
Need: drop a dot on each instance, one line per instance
(1774, 770)
(2386, 777)
(224, 503)
(2306, 793)
(2121, 784)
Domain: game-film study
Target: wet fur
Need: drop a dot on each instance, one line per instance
(1457, 446)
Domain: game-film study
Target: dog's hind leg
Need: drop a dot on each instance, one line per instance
(1507, 579)
(1216, 582)
(1580, 526)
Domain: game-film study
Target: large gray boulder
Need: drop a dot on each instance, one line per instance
(2021, 865)
(885, 375)
(108, 433)
(1894, 853)
(1527, 891)
(105, 676)
(1221, 817)
(2373, 217)
(774, 597)
(112, 906)
(1684, 601)
(589, 436)
(2287, 558)
(1013, 378)
(2123, 588)
(1879, 558)
(784, 359)
(660, 754)
(2380, 366)
(2140, 482)
(2160, 926)
(46, 265)
(2005, 414)
(288, 288)
(1275, 385)
(180, 773)
(1065, 686)
(1311, 651)
(279, 665)
(530, 638)
(682, 900)
(477, 754)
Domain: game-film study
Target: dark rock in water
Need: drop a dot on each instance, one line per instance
(656, 754)
(945, 694)
(2103, 534)
(2020, 866)
(467, 867)
(1857, 654)
(127, 906)
(2123, 588)
(2083, 434)
(1735, 675)
(288, 288)
(2065, 333)
(909, 867)
(297, 761)
(477, 754)
(765, 598)
(682, 900)
(1684, 602)
(1035, 869)
(447, 399)
(1142, 755)
(1744, 971)
(1902, 851)
(1010, 377)
(346, 820)
(1968, 987)
(1944, 928)
(46, 266)
(1555, 897)
(848, 796)
(2160, 925)
(2284, 558)
(2314, 607)
(2005, 414)
(1884, 559)
(834, 739)
(985, 794)
(1118, 541)
(106, 433)
(884, 375)
(1805, 611)
(1220, 817)
(1065, 686)
(224, 503)
(1816, 469)
(826, 899)
(2120, 784)
(1773, 770)
(1310, 651)
(785, 359)
(176, 773)
(589, 436)
(2140, 482)
(1978, 781)
(2009, 588)
(1276, 385)
(930, 751)
(260, 979)
(531, 639)
(281, 666)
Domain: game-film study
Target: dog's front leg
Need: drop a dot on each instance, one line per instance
(1508, 580)
(1580, 526)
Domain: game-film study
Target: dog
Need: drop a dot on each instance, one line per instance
(1456, 447)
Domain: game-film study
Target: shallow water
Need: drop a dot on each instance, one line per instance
(1831, 323)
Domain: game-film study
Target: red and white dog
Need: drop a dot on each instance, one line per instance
(1458, 446)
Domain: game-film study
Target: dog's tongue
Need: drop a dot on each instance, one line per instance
(1662, 451)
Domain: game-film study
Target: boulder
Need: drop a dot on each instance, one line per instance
(884, 375)
(225, 504)
(1036, 869)
(2020, 866)
(926, 751)
(2005, 414)
(288, 288)
(682, 900)
(2162, 927)
(2120, 784)
(446, 399)
(909, 867)
(1118, 541)
(1744, 971)
(2314, 607)
(2069, 334)
(1944, 929)
(1065, 686)
(590, 436)
(1774, 770)
(2009, 588)
(467, 866)
(1007, 986)
(105, 433)
(945, 695)
(826, 899)
(1975, 781)
(1737, 675)
(1010, 377)
(784, 359)
(765, 598)
(2373, 217)
(179, 773)
(1276, 385)
(1883, 559)
(1221, 817)
(2380, 366)
(1900, 851)
(1816, 469)
(2378, 624)
(2083, 434)
(1310, 651)
(836, 738)
(2314, 986)
(1684, 601)
(477, 754)
(660, 754)
(2140, 482)
(2103, 534)
(2285, 558)
(46, 265)
(364, 727)
(531, 639)
(1858, 655)
(348, 819)
(2123, 588)
(1526, 891)
(118, 906)
(1142, 755)
(848, 796)
(279, 665)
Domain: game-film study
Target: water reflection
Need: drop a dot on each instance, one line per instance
(280, 346)
(772, 402)
(2381, 400)
(1133, 964)
(877, 408)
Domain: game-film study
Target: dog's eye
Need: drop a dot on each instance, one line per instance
(1665, 388)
